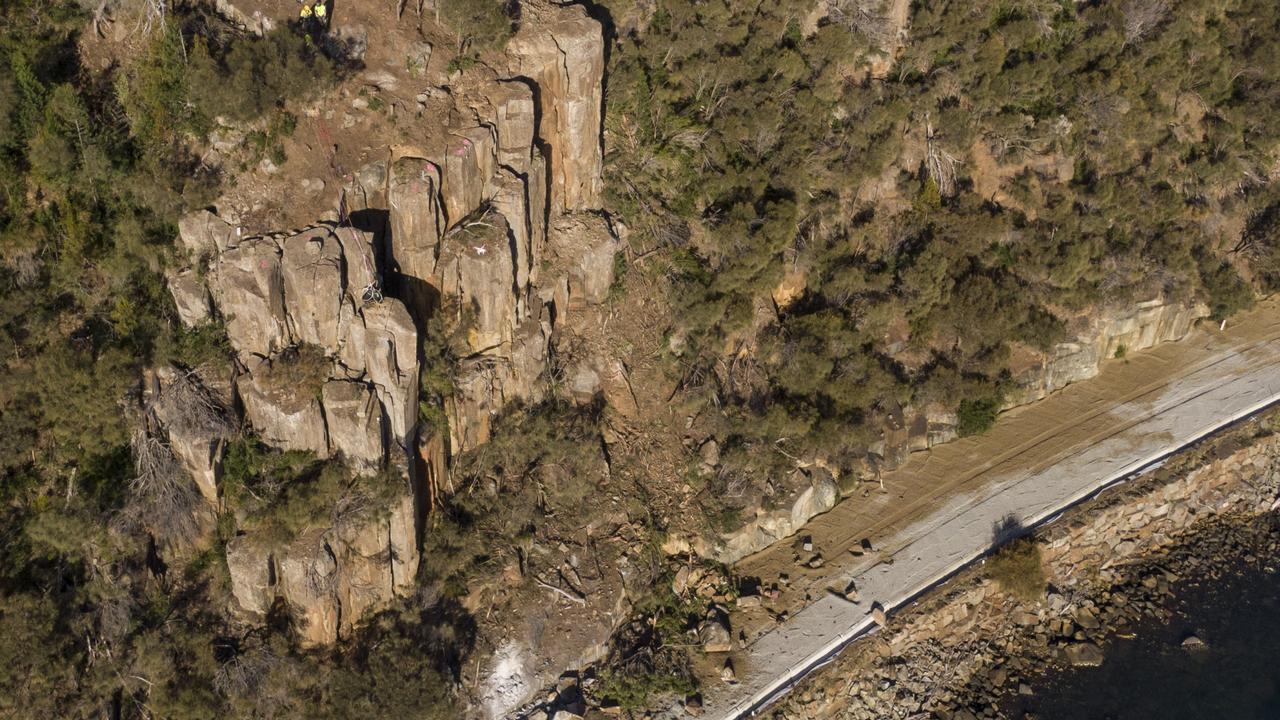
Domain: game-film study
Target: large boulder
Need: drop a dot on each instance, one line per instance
(286, 413)
(190, 297)
(355, 425)
(512, 202)
(1084, 654)
(312, 271)
(250, 566)
(535, 187)
(309, 576)
(487, 383)
(477, 268)
(358, 257)
(1113, 332)
(516, 123)
(378, 560)
(585, 246)
(417, 223)
(814, 492)
(203, 234)
(469, 165)
(714, 633)
(382, 346)
(248, 287)
(366, 190)
(402, 542)
(196, 424)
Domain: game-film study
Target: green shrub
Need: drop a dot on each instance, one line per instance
(269, 142)
(246, 77)
(489, 23)
(282, 494)
(462, 63)
(1017, 567)
(301, 370)
(253, 472)
(157, 96)
(977, 416)
(193, 347)
(647, 676)
(654, 662)
(618, 287)
(1228, 293)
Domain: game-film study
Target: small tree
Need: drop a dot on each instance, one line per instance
(491, 22)
(977, 416)
(1142, 17)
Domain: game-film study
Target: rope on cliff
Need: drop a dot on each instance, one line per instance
(372, 292)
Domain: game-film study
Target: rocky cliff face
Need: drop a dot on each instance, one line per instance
(1105, 336)
(904, 430)
(816, 492)
(562, 52)
(329, 578)
(490, 221)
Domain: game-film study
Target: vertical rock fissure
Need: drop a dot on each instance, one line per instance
(333, 590)
(391, 552)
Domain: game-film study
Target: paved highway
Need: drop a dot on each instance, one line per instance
(1188, 392)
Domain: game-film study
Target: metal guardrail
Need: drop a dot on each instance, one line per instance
(762, 699)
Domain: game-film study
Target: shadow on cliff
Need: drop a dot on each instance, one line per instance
(428, 629)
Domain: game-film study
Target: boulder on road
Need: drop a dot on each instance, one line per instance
(714, 634)
(878, 614)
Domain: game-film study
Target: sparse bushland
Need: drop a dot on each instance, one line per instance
(1014, 167)
(977, 416)
(479, 25)
(1051, 177)
(542, 461)
(95, 168)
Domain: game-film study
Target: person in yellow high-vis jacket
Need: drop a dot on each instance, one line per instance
(322, 13)
(305, 12)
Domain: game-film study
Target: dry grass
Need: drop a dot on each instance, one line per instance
(191, 409)
(164, 497)
(1017, 568)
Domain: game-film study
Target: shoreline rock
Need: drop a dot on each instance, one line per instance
(1112, 565)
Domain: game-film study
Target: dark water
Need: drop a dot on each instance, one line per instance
(1237, 677)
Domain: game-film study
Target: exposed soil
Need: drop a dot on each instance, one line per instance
(387, 101)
